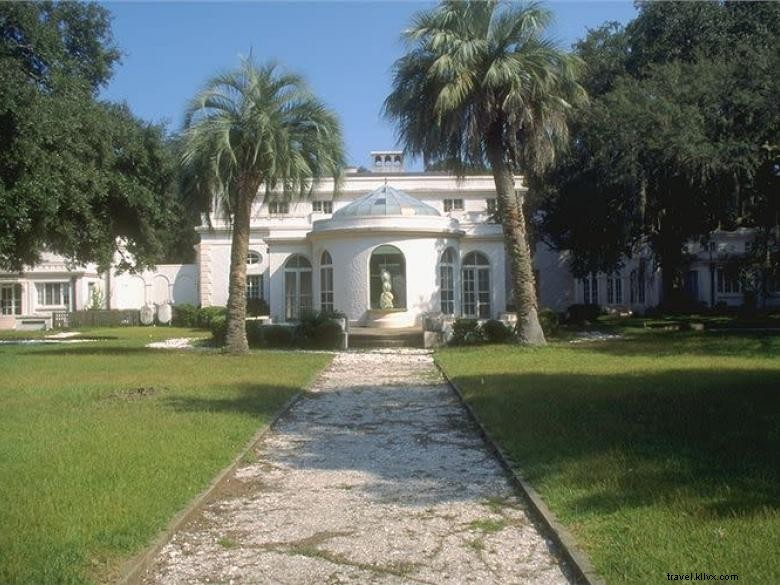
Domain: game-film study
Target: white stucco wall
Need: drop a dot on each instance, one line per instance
(167, 283)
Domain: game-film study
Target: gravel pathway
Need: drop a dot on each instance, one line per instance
(377, 477)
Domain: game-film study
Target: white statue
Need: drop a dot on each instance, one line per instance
(386, 298)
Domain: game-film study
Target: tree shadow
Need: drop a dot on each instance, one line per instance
(258, 400)
(708, 437)
(89, 350)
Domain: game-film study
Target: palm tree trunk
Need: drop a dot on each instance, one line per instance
(529, 330)
(235, 341)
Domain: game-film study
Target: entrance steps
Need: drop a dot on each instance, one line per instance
(374, 337)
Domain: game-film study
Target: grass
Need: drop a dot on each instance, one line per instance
(101, 443)
(660, 452)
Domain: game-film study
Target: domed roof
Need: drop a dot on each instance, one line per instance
(384, 201)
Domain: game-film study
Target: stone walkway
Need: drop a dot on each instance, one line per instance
(376, 478)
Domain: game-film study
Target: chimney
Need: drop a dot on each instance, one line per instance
(387, 161)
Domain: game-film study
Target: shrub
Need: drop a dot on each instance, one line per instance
(256, 307)
(254, 334)
(550, 321)
(494, 331)
(466, 332)
(218, 327)
(327, 335)
(185, 315)
(277, 336)
(207, 314)
(580, 314)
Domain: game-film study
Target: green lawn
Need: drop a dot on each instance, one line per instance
(102, 443)
(661, 453)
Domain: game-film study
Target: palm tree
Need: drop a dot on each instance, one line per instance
(249, 128)
(480, 84)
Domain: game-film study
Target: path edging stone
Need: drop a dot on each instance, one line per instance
(133, 570)
(577, 559)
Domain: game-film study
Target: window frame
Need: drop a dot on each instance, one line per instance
(448, 264)
(14, 301)
(42, 295)
(477, 275)
(454, 204)
(278, 208)
(326, 282)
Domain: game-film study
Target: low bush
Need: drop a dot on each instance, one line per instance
(277, 336)
(550, 322)
(185, 315)
(494, 331)
(207, 314)
(466, 332)
(327, 335)
(256, 307)
(581, 314)
(218, 327)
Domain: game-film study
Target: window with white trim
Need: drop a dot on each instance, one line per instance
(279, 207)
(453, 205)
(11, 299)
(53, 294)
(476, 286)
(590, 290)
(728, 281)
(447, 282)
(322, 206)
(297, 287)
(326, 282)
(254, 258)
(254, 286)
(614, 290)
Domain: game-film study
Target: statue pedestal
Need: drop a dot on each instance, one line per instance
(389, 318)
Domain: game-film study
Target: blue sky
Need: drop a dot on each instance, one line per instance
(345, 50)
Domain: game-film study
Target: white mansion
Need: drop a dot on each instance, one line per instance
(390, 248)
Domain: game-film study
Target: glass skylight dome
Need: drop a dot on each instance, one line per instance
(385, 201)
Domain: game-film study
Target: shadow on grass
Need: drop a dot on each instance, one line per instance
(711, 437)
(260, 400)
(90, 350)
(675, 343)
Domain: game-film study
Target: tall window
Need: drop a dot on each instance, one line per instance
(387, 274)
(614, 290)
(326, 282)
(53, 294)
(492, 207)
(590, 290)
(453, 205)
(297, 287)
(476, 286)
(254, 286)
(728, 281)
(447, 281)
(11, 299)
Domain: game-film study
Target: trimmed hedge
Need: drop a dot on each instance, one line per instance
(314, 330)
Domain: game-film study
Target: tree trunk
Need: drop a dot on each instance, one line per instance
(517, 248)
(236, 342)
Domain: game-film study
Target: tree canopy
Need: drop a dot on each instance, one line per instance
(674, 143)
(482, 86)
(77, 175)
(252, 127)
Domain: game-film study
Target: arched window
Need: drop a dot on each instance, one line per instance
(447, 281)
(326, 282)
(297, 287)
(476, 286)
(387, 278)
(253, 258)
